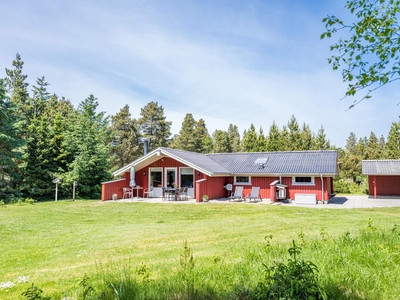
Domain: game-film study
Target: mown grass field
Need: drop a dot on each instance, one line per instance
(55, 244)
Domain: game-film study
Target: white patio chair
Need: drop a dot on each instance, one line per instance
(255, 194)
(127, 193)
(237, 195)
(148, 192)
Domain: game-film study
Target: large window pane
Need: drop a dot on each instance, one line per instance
(156, 178)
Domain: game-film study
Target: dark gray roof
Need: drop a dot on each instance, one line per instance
(289, 162)
(381, 167)
(276, 163)
(197, 160)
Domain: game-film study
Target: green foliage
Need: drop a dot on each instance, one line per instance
(345, 186)
(29, 201)
(34, 293)
(221, 142)
(298, 279)
(369, 55)
(153, 125)
(250, 140)
(90, 139)
(125, 138)
(187, 275)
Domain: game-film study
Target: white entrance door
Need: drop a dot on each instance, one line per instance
(187, 179)
(156, 181)
(170, 177)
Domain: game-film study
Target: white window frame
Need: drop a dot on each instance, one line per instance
(242, 183)
(156, 169)
(303, 183)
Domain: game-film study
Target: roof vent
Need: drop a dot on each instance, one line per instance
(261, 161)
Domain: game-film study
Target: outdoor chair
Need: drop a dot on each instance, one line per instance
(238, 195)
(255, 194)
(148, 192)
(182, 193)
(127, 193)
(168, 194)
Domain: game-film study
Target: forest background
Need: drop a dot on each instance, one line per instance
(43, 137)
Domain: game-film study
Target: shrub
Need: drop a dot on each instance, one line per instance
(297, 279)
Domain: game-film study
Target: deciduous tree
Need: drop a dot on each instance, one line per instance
(368, 55)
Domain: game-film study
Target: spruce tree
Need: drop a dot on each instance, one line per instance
(294, 138)
(234, 138)
(392, 147)
(249, 142)
(221, 142)
(186, 139)
(320, 140)
(261, 141)
(373, 150)
(307, 138)
(10, 143)
(17, 87)
(91, 138)
(203, 140)
(274, 138)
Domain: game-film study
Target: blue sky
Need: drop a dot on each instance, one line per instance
(238, 62)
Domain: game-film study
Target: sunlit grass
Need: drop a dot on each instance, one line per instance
(56, 244)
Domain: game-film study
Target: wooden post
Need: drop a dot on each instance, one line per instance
(374, 187)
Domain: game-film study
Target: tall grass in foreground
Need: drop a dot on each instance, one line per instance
(360, 266)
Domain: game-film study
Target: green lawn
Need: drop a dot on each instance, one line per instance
(56, 243)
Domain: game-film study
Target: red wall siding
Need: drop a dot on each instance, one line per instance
(385, 185)
(113, 187)
(307, 189)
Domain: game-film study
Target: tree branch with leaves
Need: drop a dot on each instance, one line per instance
(369, 55)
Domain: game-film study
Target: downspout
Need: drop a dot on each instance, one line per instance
(322, 180)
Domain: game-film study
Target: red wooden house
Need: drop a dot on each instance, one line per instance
(304, 175)
(383, 177)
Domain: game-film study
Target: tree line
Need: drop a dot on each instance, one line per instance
(43, 137)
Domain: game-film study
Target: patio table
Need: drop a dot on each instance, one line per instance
(171, 191)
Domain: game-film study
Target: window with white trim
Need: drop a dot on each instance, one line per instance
(303, 180)
(244, 180)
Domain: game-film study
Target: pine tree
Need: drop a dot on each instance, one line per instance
(125, 143)
(203, 140)
(221, 142)
(285, 141)
(294, 134)
(392, 147)
(153, 125)
(307, 138)
(351, 163)
(320, 140)
(261, 141)
(234, 138)
(18, 88)
(186, 139)
(274, 138)
(249, 142)
(91, 138)
(39, 99)
(373, 150)
(10, 143)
